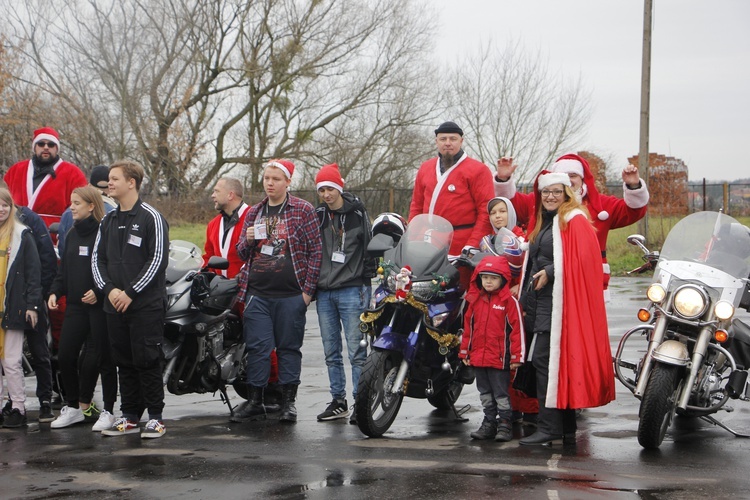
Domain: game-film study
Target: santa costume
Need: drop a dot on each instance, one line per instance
(608, 212)
(225, 247)
(51, 196)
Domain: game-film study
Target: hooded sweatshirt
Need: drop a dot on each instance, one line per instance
(345, 230)
(493, 329)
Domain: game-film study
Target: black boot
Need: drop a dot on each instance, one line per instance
(487, 430)
(252, 409)
(288, 398)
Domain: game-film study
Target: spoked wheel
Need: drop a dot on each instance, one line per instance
(445, 399)
(376, 405)
(658, 405)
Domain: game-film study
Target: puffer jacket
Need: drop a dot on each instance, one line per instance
(493, 328)
(23, 288)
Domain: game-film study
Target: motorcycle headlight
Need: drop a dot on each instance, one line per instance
(656, 293)
(690, 302)
(439, 319)
(723, 310)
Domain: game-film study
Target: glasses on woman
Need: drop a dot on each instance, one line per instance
(555, 193)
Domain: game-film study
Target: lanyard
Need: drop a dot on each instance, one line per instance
(341, 231)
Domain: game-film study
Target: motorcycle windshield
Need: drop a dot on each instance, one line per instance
(184, 256)
(712, 239)
(424, 246)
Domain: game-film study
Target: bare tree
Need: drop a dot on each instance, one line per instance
(509, 104)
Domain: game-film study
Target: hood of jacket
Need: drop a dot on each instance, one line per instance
(495, 264)
(512, 218)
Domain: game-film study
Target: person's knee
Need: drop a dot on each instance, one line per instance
(147, 353)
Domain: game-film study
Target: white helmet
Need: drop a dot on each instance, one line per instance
(391, 224)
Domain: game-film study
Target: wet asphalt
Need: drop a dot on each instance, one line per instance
(426, 453)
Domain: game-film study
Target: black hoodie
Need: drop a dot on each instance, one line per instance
(358, 268)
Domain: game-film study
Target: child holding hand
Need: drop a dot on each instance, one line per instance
(493, 343)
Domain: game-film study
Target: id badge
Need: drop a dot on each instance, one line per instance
(135, 240)
(266, 249)
(83, 251)
(260, 232)
(338, 257)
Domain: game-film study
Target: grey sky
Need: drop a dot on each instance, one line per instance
(700, 75)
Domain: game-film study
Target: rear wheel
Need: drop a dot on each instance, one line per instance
(658, 405)
(445, 399)
(376, 404)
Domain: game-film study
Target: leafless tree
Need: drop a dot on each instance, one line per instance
(510, 104)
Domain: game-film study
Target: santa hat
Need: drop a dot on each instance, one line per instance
(546, 180)
(285, 165)
(329, 176)
(574, 164)
(45, 134)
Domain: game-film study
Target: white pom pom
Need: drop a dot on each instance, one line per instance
(603, 215)
(524, 245)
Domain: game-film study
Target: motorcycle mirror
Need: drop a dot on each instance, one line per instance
(639, 241)
(215, 262)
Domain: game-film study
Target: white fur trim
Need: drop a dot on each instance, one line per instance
(557, 309)
(554, 178)
(45, 137)
(567, 166)
(524, 245)
(329, 184)
(603, 215)
(635, 198)
(505, 189)
(281, 167)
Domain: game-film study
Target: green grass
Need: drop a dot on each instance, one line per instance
(194, 233)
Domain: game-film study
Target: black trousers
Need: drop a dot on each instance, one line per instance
(135, 338)
(40, 362)
(551, 420)
(85, 327)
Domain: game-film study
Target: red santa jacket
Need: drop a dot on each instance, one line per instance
(460, 195)
(580, 358)
(228, 250)
(622, 212)
(52, 196)
(493, 327)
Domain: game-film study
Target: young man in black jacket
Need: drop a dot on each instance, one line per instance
(128, 263)
(344, 286)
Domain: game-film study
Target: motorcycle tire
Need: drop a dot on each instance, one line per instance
(376, 405)
(445, 399)
(658, 405)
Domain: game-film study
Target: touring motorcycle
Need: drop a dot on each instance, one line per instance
(414, 324)
(203, 344)
(691, 356)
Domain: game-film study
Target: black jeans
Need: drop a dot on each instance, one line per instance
(135, 339)
(40, 362)
(551, 420)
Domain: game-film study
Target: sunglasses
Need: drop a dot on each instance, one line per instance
(46, 144)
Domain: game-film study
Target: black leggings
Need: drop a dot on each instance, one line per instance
(85, 327)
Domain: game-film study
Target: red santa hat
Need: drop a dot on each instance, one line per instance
(574, 164)
(45, 134)
(284, 165)
(329, 176)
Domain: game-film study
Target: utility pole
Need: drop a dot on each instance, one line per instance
(645, 104)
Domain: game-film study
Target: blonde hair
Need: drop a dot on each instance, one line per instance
(7, 227)
(567, 206)
(90, 194)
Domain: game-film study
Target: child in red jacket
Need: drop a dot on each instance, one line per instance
(493, 343)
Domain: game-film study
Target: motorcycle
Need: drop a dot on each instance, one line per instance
(414, 326)
(693, 355)
(203, 343)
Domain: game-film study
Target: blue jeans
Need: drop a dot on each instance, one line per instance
(337, 307)
(269, 323)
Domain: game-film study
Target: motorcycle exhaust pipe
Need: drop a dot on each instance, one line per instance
(168, 370)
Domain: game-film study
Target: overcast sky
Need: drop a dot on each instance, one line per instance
(700, 69)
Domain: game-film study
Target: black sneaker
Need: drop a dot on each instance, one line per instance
(353, 417)
(14, 419)
(336, 409)
(487, 430)
(7, 408)
(504, 433)
(45, 412)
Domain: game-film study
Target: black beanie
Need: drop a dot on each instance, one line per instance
(449, 128)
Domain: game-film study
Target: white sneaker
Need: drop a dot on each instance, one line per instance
(68, 416)
(106, 420)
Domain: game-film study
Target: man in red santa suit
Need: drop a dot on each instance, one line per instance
(224, 230)
(564, 306)
(44, 183)
(608, 212)
(456, 188)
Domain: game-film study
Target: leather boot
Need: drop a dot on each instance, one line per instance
(288, 398)
(487, 430)
(252, 409)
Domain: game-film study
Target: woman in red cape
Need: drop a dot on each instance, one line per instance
(562, 297)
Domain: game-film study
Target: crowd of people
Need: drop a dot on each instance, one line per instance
(545, 312)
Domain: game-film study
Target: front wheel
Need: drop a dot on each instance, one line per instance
(658, 405)
(376, 404)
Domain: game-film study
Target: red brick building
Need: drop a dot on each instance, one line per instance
(667, 184)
